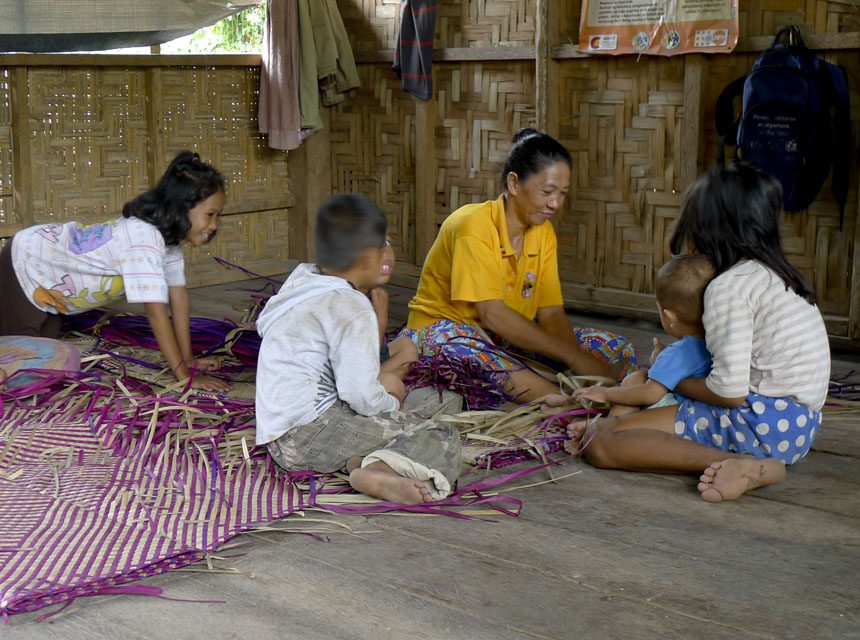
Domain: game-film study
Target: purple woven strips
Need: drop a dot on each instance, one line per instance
(86, 517)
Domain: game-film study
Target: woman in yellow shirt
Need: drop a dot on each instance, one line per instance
(492, 274)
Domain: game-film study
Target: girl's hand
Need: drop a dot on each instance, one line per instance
(658, 347)
(208, 383)
(207, 364)
(595, 394)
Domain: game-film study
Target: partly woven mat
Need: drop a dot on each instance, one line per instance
(103, 483)
(111, 475)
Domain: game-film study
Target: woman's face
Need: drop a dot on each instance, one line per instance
(204, 219)
(537, 198)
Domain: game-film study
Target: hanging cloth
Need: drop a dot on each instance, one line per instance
(413, 55)
(279, 113)
(336, 70)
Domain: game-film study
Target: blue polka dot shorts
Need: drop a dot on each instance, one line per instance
(763, 427)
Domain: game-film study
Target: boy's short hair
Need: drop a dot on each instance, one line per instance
(347, 224)
(681, 285)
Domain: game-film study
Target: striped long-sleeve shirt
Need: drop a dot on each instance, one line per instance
(764, 338)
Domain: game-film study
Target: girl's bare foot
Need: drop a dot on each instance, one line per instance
(576, 432)
(730, 479)
(353, 463)
(389, 486)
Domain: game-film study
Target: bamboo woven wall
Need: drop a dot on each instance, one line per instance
(639, 130)
(373, 24)
(77, 142)
(478, 105)
(623, 118)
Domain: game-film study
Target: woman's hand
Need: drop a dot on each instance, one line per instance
(207, 364)
(595, 394)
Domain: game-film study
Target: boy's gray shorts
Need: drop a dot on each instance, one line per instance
(413, 446)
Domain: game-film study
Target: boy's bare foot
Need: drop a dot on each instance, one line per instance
(576, 432)
(353, 463)
(730, 479)
(389, 486)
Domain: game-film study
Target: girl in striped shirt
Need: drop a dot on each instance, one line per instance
(760, 407)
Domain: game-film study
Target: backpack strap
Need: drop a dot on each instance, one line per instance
(724, 116)
(791, 34)
(842, 136)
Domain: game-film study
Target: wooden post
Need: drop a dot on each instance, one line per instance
(311, 184)
(546, 67)
(22, 178)
(425, 177)
(693, 127)
(154, 102)
(854, 301)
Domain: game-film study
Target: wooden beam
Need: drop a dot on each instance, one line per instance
(693, 126)
(854, 300)
(425, 177)
(22, 172)
(816, 41)
(310, 184)
(546, 68)
(458, 54)
(137, 60)
(641, 306)
(154, 105)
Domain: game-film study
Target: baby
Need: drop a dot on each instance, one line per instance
(680, 290)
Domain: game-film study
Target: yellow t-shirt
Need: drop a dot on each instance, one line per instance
(472, 260)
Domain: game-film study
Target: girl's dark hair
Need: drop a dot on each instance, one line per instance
(531, 153)
(732, 213)
(187, 181)
(347, 224)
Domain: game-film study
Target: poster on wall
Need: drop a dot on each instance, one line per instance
(655, 27)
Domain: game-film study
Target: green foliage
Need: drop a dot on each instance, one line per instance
(240, 33)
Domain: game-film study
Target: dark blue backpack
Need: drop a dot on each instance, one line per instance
(794, 121)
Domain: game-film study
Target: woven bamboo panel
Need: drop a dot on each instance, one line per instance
(373, 24)
(87, 126)
(213, 110)
(479, 108)
(91, 131)
(482, 23)
(813, 240)
(256, 241)
(768, 16)
(6, 214)
(621, 120)
(372, 150)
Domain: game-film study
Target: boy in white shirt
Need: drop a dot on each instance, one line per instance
(321, 403)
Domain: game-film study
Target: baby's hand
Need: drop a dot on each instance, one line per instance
(658, 347)
(208, 383)
(595, 394)
(207, 364)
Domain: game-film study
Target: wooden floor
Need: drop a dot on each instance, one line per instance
(601, 554)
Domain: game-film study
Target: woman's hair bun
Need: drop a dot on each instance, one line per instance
(525, 132)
